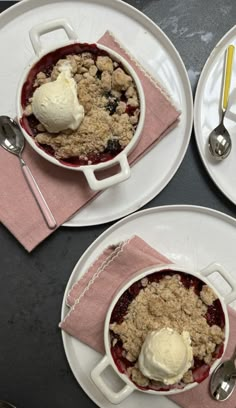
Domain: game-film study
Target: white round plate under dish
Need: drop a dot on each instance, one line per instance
(189, 236)
(207, 116)
(150, 46)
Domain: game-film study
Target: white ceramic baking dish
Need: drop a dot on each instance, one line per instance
(121, 159)
(129, 387)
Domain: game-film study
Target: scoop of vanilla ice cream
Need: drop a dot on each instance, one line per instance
(166, 355)
(56, 105)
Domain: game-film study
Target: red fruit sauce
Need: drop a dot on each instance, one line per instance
(46, 64)
(214, 315)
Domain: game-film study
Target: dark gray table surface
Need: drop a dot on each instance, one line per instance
(33, 368)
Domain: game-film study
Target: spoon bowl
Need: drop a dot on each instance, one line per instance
(11, 137)
(219, 140)
(223, 379)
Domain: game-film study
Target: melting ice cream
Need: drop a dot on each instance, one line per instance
(166, 355)
(56, 105)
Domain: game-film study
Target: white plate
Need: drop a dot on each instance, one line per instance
(191, 236)
(206, 116)
(91, 18)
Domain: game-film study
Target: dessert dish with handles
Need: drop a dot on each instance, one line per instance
(108, 360)
(41, 56)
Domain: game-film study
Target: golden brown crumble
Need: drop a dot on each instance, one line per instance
(106, 92)
(137, 376)
(168, 303)
(207, 295)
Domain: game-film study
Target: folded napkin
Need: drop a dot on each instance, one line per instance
(67, 191)
(90, 297)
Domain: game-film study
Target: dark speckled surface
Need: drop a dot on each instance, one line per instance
(33, 368)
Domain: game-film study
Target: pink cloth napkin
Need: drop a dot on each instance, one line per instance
(67, 191)
(90, 297)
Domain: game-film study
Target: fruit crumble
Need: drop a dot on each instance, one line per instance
(167, 299)
(108, 95)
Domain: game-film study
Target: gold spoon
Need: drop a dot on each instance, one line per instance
(219, 141)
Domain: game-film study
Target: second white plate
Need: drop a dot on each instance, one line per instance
(190, 236)
(91, 18)
(207, 116)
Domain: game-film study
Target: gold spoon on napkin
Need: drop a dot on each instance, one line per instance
(12, 140)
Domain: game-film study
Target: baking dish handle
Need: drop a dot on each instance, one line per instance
(97, 185)
(112, 396)
(46, 27)
(216, 267)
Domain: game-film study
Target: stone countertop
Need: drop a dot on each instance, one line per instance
(33, 368)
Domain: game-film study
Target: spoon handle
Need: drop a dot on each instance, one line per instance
(227, 76)
(50, 220)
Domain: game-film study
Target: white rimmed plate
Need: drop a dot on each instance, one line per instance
(149, 45)
(207, 116)
(190, 236)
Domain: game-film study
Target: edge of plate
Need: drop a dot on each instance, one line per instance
(197, 102)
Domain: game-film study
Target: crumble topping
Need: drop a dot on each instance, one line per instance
(207, 295)
(111, 104)
(168, 303)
